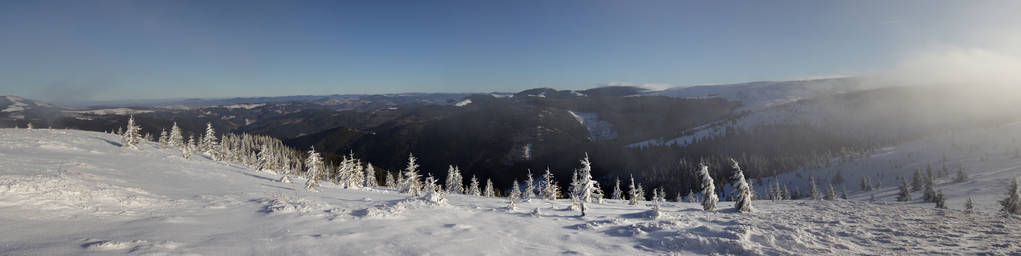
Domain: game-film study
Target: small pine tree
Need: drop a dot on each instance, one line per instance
(529, 191)
(843, 193)
(390, 182)
(838, 178)
(176, 139)
(969, 206)
(633, 192)
(473, 188)
(709, 198)
(831, 193)
(370, 176)
(1012, 204)
(866, 183)
(515, 194)
(411, 183)
(315, 170)
(132, 134)
(962, 176)
(489, 191)
(930, 193)
(813, 189)
(164, 139)
(549, 187)
(743, 191)
(905, 193)
(209, 142)
(454, 180)
(617, 194)
(940, 200)
(916, 181)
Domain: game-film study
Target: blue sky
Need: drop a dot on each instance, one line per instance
(101, 50)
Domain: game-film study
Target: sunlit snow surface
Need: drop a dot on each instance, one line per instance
(78, 193)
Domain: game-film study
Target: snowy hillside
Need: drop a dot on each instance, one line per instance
(65, 192)
(989, 157)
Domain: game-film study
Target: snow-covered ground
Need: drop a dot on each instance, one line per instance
(988, 156)
(79, 193)
(598, 129)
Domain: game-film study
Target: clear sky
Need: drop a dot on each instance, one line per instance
(81, 49)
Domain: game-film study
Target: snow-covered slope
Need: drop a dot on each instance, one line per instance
(79, 193)
(989, 156)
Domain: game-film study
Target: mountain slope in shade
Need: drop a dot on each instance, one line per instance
(74, 192)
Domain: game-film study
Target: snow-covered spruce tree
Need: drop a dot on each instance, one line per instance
(831, 193)
(843, 193)
(489, 191)
(132, 134)
(617, 194)
(176, 139)
(813, 189)
(743, 202)
(930, 193)
(473, 187)
(655, 202)
(1012, 204)
(370, 176)
(411, 183)
(454, 180)
(164, 139)
(186, 150)
(691, 197)
(430, 184)
(905, 193)
(962, 176)
(390, 182)
(866, 183)
(916, 181)
(969, 206)
(586, 186)
(515, 195)
(549, 186)
(709, 198)
(641, 192)
(940, 200)
(208, 144)
(632, 192)
(529, 191)
(315, 166)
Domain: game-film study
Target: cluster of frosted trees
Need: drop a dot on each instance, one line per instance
(256, 151)
(270, 154)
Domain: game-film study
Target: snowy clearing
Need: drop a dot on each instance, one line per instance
(80, 193)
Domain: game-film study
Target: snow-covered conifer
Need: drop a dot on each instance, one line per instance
(866, 183)
(430, 184)
(641, 192)
(208, 144)
(132, 134)
(585, 186)
(315, 166)
(411, 183)
(390, 182)
(633, 192)
(529, 191)
(709, 198)
(176, 139)
(489, 191)
(916, 181)
(962, 176)
(813, 189)
(370, 176)
(905, 193)
(743, 191)
(617, 194)
(454, 181)
(843, 193)
(969, 206)
(1012, 204)
(164, 139)
(930, 193)
(940, 200)
(549, 187)
(515, 195)
(831, 193)
(473, 187)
